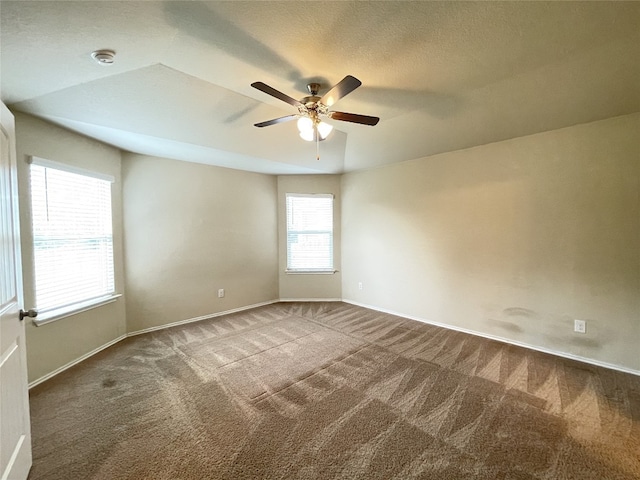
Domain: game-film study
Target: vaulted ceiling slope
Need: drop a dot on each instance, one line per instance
(442, 76)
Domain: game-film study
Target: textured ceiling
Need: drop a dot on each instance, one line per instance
(440, 75)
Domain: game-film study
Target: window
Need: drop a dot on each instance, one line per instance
(72, 237)
(309, 233)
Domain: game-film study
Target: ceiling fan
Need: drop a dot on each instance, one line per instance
(312, 109)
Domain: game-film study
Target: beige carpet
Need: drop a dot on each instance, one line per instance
(332, 391)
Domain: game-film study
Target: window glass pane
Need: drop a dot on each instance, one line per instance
(309, 232)
(72, 237)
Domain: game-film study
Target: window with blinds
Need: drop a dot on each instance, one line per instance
(72, 236)
(309, 232)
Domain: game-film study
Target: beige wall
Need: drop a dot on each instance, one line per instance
(56, 344)
(309, 286)
(191, 229)
(513, 239)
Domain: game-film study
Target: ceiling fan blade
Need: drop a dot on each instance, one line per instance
(263, 87)
(276, 120)
(354, 118)
(347, 85)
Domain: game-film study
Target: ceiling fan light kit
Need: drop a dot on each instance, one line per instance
(324, 129)
(312, 109)
(313, 129)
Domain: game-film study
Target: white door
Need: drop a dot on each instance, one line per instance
(15, 446)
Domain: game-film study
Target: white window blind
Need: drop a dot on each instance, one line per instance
(309, 232)
(72, 236)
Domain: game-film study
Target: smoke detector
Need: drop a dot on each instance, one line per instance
(104, 57)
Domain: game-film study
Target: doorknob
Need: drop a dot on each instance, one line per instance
(30, 313)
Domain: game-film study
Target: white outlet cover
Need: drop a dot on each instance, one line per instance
(580, 326)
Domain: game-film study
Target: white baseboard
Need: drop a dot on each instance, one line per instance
(310, 300)
(352, 302)
(501, 339)
(76, 361)
(139, 332)
(203, 317)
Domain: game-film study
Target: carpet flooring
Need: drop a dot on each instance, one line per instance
(332, 391)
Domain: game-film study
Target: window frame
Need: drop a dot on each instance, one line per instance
(310, 270)
(57, 313)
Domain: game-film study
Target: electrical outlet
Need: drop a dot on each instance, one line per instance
(359, 285)
(220, 292)
(580, 326)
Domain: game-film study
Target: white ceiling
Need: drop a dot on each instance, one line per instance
(441, 76)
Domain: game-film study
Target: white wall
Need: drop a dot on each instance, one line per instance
(191, 229)
(54, 345)
(513, 239)
(309, 286)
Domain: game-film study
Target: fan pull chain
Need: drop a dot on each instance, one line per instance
(317, 145)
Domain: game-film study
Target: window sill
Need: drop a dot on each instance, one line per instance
(310, 272)
(59, 313)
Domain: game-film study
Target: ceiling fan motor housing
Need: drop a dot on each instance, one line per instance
(309, 101)
(313, 88)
